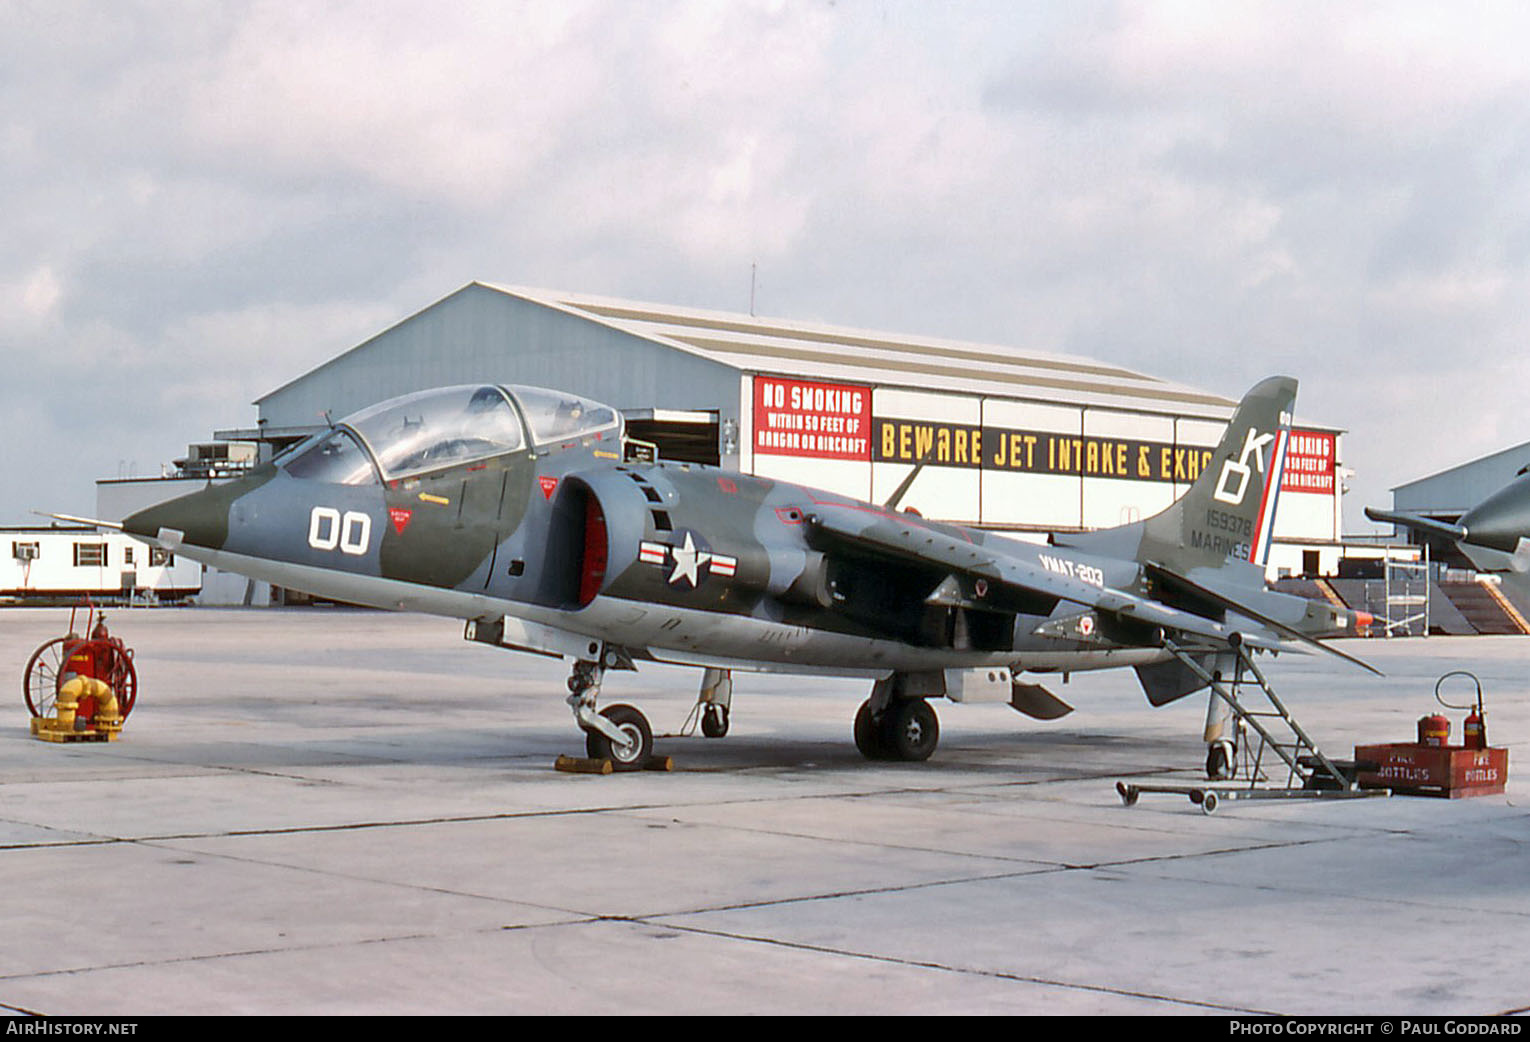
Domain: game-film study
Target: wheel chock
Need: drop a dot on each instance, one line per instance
(586, 765)
(583, 765)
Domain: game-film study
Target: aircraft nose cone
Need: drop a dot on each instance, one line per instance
(1502, 519)
(199, 519)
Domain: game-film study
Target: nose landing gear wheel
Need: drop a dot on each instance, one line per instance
(631, 756)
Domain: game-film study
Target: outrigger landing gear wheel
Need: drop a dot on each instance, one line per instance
(631, 756)
(714, 721)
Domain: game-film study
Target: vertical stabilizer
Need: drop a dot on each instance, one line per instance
(1228, 516)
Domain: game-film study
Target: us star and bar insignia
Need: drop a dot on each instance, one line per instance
(691, 564)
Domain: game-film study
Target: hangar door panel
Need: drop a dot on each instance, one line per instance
(1121, 459)
(907, 426)
(1024, 483)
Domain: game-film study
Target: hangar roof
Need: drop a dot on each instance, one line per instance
(1456, 489)
(832, 352)
(719, 340)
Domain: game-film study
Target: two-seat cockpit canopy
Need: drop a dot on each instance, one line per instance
(448, 426)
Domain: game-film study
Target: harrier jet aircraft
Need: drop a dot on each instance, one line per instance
(514, 509)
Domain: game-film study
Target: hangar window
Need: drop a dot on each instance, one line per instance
(555, 417)
(335, 458)
(433, 429)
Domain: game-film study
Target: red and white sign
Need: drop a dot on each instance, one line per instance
(806, 418)
(1310, 460)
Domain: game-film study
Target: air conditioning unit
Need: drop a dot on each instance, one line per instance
(24, 551)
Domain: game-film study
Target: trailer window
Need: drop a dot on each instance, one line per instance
(90, 555)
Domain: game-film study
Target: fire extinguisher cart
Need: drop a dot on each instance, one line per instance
(90, 673)
(1432, 766)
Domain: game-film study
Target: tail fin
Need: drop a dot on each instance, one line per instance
(1228, 515)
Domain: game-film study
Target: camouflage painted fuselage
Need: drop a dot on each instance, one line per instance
(570, 547)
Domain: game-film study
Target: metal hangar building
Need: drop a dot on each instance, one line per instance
(1019, 440)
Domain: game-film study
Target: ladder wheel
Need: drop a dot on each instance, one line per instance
(40, 682)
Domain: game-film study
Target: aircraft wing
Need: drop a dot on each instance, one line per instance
(1414, 521)
(890, 537)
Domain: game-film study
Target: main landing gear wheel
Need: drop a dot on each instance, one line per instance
(907, 730)
(639, 747)
(866, 732)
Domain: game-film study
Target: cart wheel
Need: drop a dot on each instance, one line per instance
(1209, 803)
(122, 675)
(39, 684)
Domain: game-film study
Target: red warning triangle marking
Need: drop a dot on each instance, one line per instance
(400, 518)
(548, 483)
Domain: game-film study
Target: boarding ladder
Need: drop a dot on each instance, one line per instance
(1282, 740)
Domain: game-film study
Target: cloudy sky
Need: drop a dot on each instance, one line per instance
(202, 200)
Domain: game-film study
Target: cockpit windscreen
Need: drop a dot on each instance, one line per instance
(334, 457)
(434, 429)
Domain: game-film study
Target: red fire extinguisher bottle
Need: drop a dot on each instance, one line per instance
(1475, 732)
